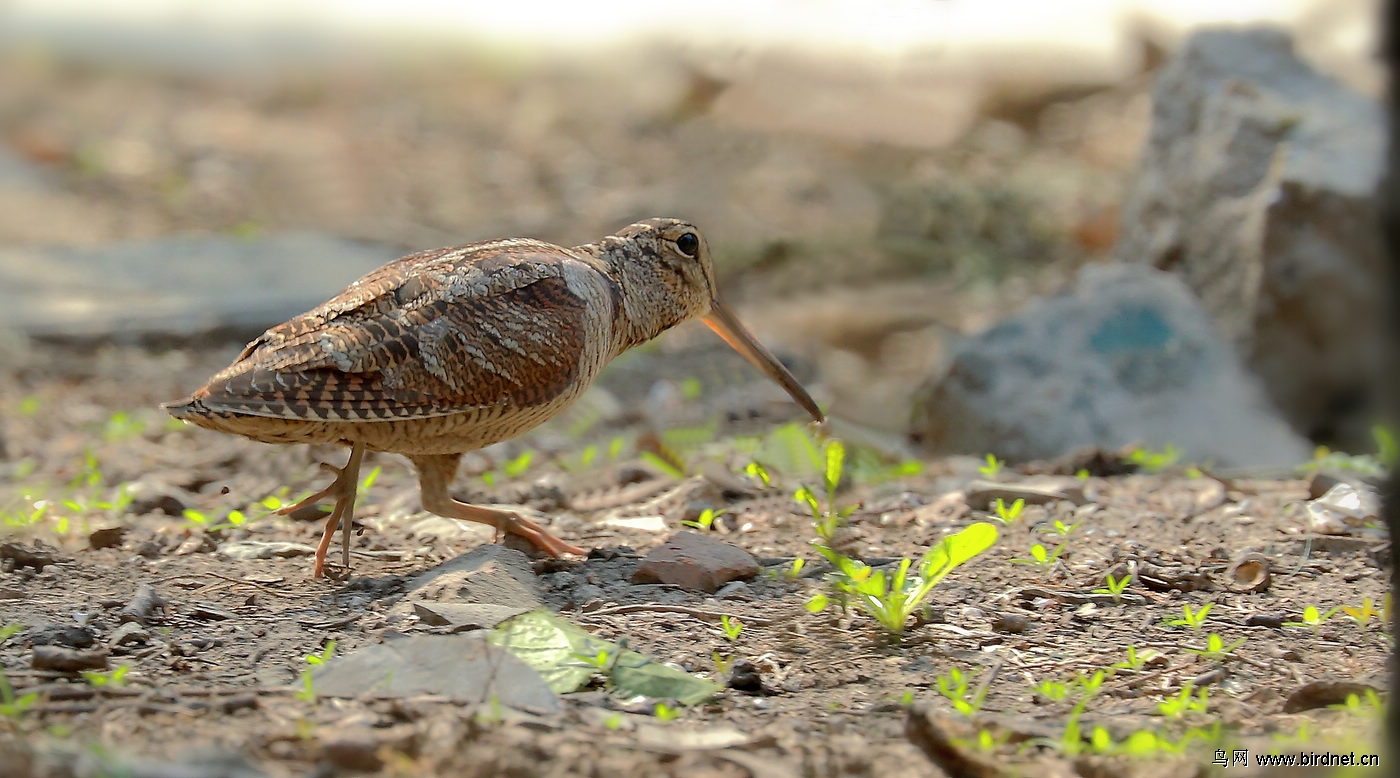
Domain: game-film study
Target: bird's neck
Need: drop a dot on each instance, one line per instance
(645, 302)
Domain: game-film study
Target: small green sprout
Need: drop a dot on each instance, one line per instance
(613, 722)
(327, 652)
(1114, 587)
(794, 570)
(1189, 618)
(891, 599)
(755, 470)
(370, 478)
(1062, 529)
(514, 468)
(1053, 691)
(1312, 617)
(705, 520)
(953, 685)
(195, 517)
(663, 466)
(664, 712)
(992, 467)
(1007, 514)
(1154, 461)
(1040, 557)
(29, 406)
(10, 630)
(1135, 661)
(1371, 707)
(1188, 700)
(817, 603)
(1361, 614)
(1216, 647)
(13, 707)
(722, 663)
(121, 426)
(906, 698)
(308, 691)
(116, 678)
(1082, 474)
(731, 627)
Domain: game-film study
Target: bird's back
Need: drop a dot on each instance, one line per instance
(439, 351)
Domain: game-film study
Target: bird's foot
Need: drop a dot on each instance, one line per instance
(343, 488)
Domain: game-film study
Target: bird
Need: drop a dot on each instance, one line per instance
(449, 350)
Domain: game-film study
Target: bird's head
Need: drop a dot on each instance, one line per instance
(664, 270)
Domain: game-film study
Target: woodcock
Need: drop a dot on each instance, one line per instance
(445, 351)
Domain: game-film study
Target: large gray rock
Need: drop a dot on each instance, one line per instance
(1257, 188)
(176, 285)
(1127, 358)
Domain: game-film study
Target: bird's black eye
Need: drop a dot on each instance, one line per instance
(688, 244)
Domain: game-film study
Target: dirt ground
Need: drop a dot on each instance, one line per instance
(210, 687)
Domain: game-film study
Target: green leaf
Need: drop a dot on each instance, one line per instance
(551, 645)
(835, 456)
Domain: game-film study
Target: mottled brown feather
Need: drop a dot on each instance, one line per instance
(435, 333)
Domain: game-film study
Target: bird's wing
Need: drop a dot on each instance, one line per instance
(431, 334)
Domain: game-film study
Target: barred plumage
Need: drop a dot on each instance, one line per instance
(445, 351)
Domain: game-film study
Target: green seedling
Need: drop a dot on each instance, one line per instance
(906, 698)
(1189, 618)
(722, 663)
(26, 518)
(121, 426)
(29, 406)
(794, 570)
(1082, 474)
(1361, 614)
(1040, 557)
(1367, 706)
(1154, 461)
(514, 468)
(988, 743)
(663, 466)
(613, 722)
(731, 626)
(116, 678)
(953, 685)
(370, 478)
(1188, 700)
(1135, 661)
(10, 630)
(308, 691)
(664, 712)
(892, 598)
(1216, 647)
(1007, 514)
(825, 521)
(1312, 617)
(1053, 691)
(992, 466)
(1114, 587)
(705, 520)
(12, 707)
(1062, 529)
(755, 470)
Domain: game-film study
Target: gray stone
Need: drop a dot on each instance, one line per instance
(695, 562)
(130, 632)
(180, 285)
(462, 667)
(1257, 187)
(490, 574)
(1126, 358)
(463, 616)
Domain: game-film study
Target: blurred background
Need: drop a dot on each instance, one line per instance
(883, 183)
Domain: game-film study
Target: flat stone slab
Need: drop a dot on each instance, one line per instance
(695, 562)
(486, 575)
(463, 667)
(176, 285)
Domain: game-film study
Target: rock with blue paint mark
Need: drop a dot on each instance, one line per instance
(1128, 357)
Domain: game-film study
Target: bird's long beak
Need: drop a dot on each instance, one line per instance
(722, 321)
